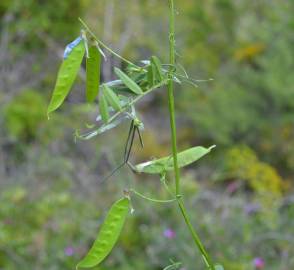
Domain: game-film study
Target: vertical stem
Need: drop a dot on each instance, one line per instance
(171, 105)
(171, 102)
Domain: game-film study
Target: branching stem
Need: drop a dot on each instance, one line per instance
(171, 105)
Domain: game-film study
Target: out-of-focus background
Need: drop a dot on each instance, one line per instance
(240, 196)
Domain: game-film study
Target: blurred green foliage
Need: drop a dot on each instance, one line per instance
(51, 199)
(24, 115)
(251, 98)
(53, 229)
(29, 19)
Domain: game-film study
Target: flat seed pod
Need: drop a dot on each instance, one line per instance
(112, 98)
(166, 164)
(93, 74)
(128, 82)
(67, 74)
(103, 108)
(108, 234)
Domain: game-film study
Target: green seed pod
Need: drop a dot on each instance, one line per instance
(93, 74)
(66, 76)
(108, 234)
(185, 158)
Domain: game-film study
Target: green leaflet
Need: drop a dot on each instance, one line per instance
(173, 266)
(66, 76)
(103, 108)
(128, 81)
(111, 97)
(150, 75)
(93, 74)
(157, 68)
(166, 164)
(219, 267)
(108, 234)
(105, 127)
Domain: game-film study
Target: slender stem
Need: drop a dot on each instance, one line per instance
(171, 103)
(181, 205)
(195, 236)
(102, 44)
(152, 199)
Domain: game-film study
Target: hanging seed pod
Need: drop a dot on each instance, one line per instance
(73, 56)
(93, 73)
(108, 234)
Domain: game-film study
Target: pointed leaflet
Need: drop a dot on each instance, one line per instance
(112, 98)
(93, 74)
(108, 234)
(150, 75)
(173, 266)
(128, 81)
(166, 164)
(219, 267)
(67, 73)
(103, 128)
(155, 62)
(103, 108)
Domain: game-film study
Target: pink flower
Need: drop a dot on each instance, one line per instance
(258, 263)
(69, 251)
(169, 233)
(233, 187)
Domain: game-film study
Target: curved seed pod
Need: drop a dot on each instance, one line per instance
(128, 81)
(108, 234)
(111, 97)
(67, 73)
(103, 108)
(93, 74)
(166, 164)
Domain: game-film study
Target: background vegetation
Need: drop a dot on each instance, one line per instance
(51, 195)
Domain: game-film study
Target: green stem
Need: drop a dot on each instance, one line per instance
(195, 236)
(181, 205)
(171, 102)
